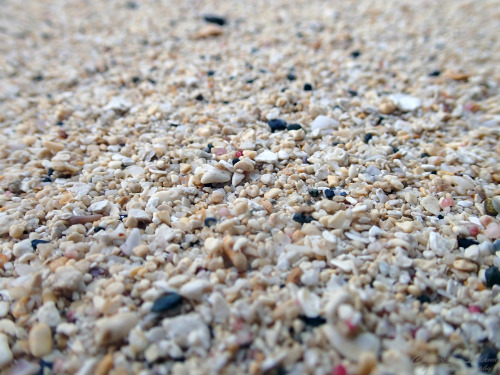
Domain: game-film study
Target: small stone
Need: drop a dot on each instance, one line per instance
(99, 207)
(352, 348)
(4, 309)
(40, 340)
(465, 265)
(406, 103)
(492, 276)
(167, 303)
(213, 245)
(487, 359)
(313, 192)
(272, 193)
(267, 157)
(337, 221)
(308, 87)
(35, 243)
(212, 18)
(209, 31)
(53, 147)
(466, 242)
(48, 314)
(294, 276)
(237, 258)
(244, 165)
(431, 204)
(68, 278)
(16, 231)
(302, 218)
(324, 124)
(367, 137)
(387, 107)
(6, 356)
(293, 127)
(472, 253)
(194, 289)
(139, 215)
(489, 207)
(114, 329)
(215, 176)
(329, 193)
(21, 248)
(492, 231)
(209, 221)
(276, 124)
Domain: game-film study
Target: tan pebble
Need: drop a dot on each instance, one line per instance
(163, 216)
(104, 365)
(431, 204)
(336, 221)
(216, 197)
(244, 165)
(330, 206)
(6, 356)
(297, 235)
(213, 245)
(54, 147)
(29, 140)
(241, 208)
(16, 231)
(333, 181)
(115, 288)
(114, 329)
(489, 207)
(286, 311)
(185, 168)
(40, 340)
(367, 363)
(57, 263)
(267, 205)
(273, 193)
(237, 258)
(294, 275)
(465, 265)
(141, 250)
(387, 107)
(311, 230)
(250, 154)
(406, 226)
(208, 31)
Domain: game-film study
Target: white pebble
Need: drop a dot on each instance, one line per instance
(48, 314)
(431, 204)
(406, 103)
(215, 176)
(194, 289)
(5, 353)
(309, 302)
(133, 240)
(139, 215)
(21, 248)
(267, 157)
(99, 207)
(324, 124)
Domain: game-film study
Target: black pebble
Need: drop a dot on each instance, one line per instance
(343, 194)
(199, 97)
(211, 18)
(355, 54)
(440, 217)
(435, 73)
(47, 179)
(50, 172)
(98, 229)
(308, 87)
(131, 5)
(313, 192)
(423, 299)
(276, 124)
(487, 359)
(329, 193)
(35, 243)
(492, 276)
(235, 160)
(352, 92)
(313, 322)
(38, 78)
(293, 127)
(395, 149)
(424, 155)
(123, 216)
(59, 123)
(209, 221)
(291, 77)
(367, 137)
(466, 242)
(210, 73)
(302, 218)
(167, 302)
(136, 80)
